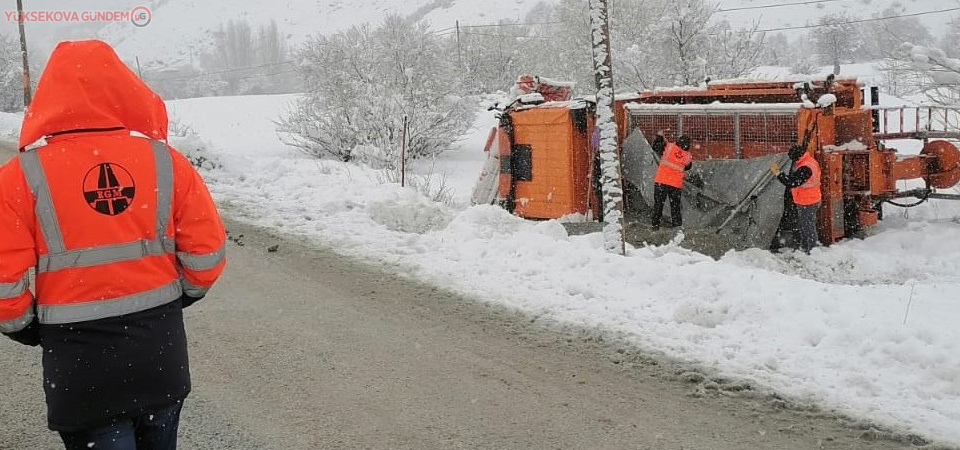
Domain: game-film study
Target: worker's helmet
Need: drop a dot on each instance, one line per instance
(683, 142)
(796, 151)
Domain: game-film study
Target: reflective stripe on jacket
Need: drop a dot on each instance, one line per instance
(808, 193)
(114, 224)
(672, 166)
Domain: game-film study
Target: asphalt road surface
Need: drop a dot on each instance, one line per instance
(302, 348)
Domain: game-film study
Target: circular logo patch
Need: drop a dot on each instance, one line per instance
(141, 16)
(108, 189)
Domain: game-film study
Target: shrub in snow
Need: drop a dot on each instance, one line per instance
(362, 82)
(188, 142)
(432, 186)
(803, 65)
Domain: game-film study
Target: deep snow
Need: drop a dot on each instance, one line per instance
(866, 327)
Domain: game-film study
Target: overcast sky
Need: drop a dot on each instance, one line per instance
(43, 35)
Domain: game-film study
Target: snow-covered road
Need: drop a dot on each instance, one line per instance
(304, 349)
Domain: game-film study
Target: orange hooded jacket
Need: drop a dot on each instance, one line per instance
(114, 223)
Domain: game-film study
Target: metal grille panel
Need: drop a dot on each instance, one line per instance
(722, 134)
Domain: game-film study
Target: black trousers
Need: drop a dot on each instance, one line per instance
(807, 227)
(151, 430)
(798, 228)
(660, 194)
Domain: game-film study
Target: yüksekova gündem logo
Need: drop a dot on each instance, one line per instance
(139, 16)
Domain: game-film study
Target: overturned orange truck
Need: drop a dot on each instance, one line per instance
(542, 163)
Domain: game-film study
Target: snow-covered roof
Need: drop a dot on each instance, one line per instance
(716, 107)
(625, 96)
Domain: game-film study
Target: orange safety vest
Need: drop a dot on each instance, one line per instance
(671, 169)
(808, 193)
(113, 223)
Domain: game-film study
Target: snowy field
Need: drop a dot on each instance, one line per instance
(865, 327)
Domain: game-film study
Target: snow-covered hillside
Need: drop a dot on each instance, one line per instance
(774, 15)
(184, 26)
(181, 29)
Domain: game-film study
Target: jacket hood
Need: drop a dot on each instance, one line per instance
(86, 86)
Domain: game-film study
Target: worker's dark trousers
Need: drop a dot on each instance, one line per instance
(156, 430)
(660, 194)
(807, 226)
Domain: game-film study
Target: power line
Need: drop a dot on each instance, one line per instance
(248, 77)
(847, 22)
(236, 69)
(518, 24)
(509, 24)
(809, 2)
(452, 30)
(503, 35)
(243, 78)
(240, 69)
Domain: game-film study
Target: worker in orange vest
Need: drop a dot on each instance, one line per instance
(675, 160)
(804, 184)
(122, 233)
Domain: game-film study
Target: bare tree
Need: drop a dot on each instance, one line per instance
(899, 76)
(930, 71)
(803, 56)
(271, 46)
(657, 42)
(567, 33)
(948, 42)
(11, 74)
(634, 30)
(732, 53)
(777, 50)
(490, 58)
(244, 61)
(883, 37)
(687, 36)
(837, 39)
(234, 47)
(363, 81)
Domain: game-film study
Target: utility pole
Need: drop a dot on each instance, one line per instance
(403, 154)
(459, 52)
(611, 189)
(27, 94)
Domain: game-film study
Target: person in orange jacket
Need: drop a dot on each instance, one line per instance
(804, 184)
(675, 160)
(122, 233)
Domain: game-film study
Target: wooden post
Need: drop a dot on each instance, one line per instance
(27, 90)
(609, 156)
(403, 154)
